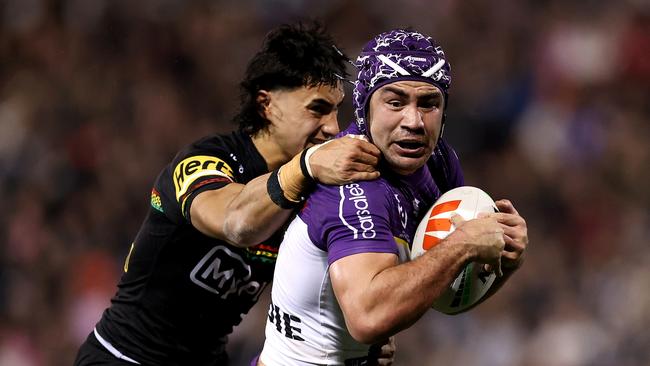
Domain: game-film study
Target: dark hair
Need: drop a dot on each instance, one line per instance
(292, 56)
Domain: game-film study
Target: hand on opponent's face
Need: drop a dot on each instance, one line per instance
(345, 160)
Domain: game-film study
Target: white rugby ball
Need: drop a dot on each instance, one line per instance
(473, 281)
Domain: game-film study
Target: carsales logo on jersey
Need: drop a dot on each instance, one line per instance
(360, 201)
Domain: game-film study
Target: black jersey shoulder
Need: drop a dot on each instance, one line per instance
(209, 163)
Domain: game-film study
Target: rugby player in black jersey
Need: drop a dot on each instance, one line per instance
(208, 244)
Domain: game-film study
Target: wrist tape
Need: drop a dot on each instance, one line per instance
(274, 189)
(292, 180)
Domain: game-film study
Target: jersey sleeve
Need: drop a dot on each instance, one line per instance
(194, 170)
(445, 167)
(351, 219)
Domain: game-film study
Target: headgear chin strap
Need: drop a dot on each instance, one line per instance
(393, 56)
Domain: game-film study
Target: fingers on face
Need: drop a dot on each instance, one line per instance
(360, 151)
(365, 158)
(358, 141)
(358, 176)
(367, 147)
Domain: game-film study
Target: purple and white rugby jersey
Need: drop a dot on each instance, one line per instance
(368, 216)
(305, 324)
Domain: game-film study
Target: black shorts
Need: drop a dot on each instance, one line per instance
(92, 353)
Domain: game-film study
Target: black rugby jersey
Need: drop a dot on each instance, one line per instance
(182, 292)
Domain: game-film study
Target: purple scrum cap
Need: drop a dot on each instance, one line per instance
(398, 55)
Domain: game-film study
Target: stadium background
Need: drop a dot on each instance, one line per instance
(549, 107)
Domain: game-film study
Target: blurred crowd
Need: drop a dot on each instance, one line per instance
(549, 107)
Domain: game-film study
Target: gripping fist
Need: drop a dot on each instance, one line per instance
(485, 238)
(344, 160)
(515, 234)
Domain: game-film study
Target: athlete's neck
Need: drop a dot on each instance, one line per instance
(270, 150)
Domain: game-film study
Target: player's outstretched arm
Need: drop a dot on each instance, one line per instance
(380, 297)
(245, 215)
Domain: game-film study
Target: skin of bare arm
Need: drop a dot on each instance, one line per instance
(379, 297)
(244, 215)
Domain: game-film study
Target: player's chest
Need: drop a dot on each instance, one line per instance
(408, 204)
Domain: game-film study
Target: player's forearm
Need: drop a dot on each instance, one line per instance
(246, 215)
(252, 216)
(241, 215)
(398, 296)
(265, 203)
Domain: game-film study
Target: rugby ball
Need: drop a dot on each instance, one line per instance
(473, 281)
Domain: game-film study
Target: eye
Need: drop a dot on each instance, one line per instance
(395, 103)
(429, 103)
(319, 110)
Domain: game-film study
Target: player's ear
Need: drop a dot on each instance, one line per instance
(263, 100)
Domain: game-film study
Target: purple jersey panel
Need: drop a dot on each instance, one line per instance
(365, 217)
(445, 167)
(350, 219)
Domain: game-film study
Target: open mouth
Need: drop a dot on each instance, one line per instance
(410, 147)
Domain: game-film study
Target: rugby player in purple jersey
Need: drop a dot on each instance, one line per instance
(342, 280)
